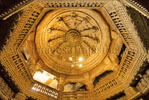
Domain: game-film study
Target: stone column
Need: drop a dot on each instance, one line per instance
(88, 82)
(61, 83)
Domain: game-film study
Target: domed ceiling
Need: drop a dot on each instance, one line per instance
(72, 41)
(89, 51)
(74, 45)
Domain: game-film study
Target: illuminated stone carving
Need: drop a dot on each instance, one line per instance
(63, 36)
(41, 33)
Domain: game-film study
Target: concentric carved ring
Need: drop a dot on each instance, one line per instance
(73, 37)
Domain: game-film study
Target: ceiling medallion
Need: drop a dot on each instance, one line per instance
(73, 37)
(75, 34)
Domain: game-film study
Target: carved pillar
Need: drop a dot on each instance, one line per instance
(131, 93)
(88, 82)
(116, 46)
(61, 83)
(20, 96)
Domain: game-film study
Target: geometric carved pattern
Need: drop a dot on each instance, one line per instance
(130, 63)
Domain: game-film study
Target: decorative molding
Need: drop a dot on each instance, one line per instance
(133, 56)
(137, 6)
(16, 8)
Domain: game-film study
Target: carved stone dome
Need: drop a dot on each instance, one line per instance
(74, 50)
(72, 39)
